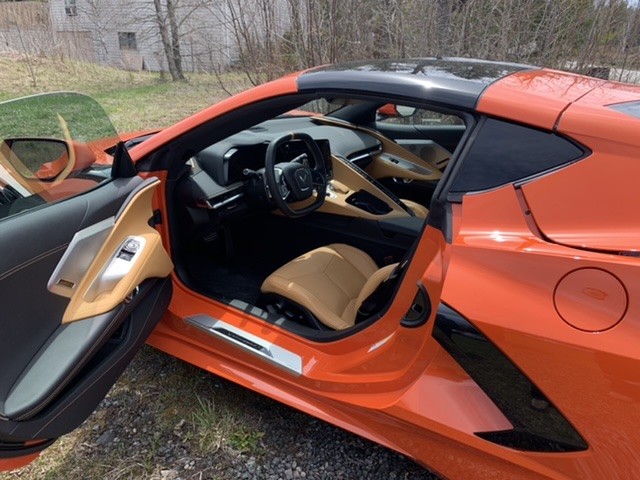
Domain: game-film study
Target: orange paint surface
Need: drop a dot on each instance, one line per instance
(535, 97)
(18, 462)
(502, 277)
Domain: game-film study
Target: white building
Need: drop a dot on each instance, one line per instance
(125, 33)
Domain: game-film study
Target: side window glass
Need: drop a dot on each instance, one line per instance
(52, 147)
(504, 153)
(403, 115)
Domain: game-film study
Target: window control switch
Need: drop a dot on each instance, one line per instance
(125, 255)
(129, 249)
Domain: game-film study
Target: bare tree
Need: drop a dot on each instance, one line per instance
(266, 38)
(170, 36)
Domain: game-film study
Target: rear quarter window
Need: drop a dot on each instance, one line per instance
(629, 108)
(504, 153)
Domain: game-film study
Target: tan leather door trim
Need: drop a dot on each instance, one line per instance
(94, 295)
(382, 169)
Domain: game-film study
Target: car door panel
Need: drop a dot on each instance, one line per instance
(55, 373)
(32, 244)
(67, 352)
(116, 271)
(447, 136)
(428, 150)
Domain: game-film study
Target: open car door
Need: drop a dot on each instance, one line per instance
(84, 279)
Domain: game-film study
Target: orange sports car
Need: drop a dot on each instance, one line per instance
(439, 255)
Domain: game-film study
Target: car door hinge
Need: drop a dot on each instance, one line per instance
(156, 219)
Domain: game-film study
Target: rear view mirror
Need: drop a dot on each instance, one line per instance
(396, 111)
(41, 159)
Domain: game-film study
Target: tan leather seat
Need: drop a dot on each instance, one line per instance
(331, 282)
(418, 210)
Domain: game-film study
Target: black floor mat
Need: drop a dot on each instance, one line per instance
(239, 280)
(234, 265)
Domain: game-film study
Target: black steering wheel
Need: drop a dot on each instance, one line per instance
(289, 182)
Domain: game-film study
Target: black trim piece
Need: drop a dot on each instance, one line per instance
(123, 166)
(538, 426)
(410, 227)
(440, 212)
(241, 339)
(420, 310)
(156, 219)
(454, 82)
(19, 449)
(56, 363)
(522, 154)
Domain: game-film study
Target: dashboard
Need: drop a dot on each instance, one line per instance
(227, 160)
(226, 179)
(222, 176)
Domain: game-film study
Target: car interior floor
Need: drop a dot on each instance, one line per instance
(235, 259)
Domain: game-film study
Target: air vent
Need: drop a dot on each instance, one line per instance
(228, 199)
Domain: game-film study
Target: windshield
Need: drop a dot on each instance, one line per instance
(47, 138)
(324, 106)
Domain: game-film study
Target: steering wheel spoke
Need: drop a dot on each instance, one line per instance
(318, 179)
(282, 187)
(295, 181)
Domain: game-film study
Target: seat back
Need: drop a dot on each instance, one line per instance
(376, 292)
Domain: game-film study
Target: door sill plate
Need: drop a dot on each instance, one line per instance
(247, 341)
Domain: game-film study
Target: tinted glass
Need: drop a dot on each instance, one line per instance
(52, 146)
(422, 117)
(630, 108)
(505, 153)
(454, 68)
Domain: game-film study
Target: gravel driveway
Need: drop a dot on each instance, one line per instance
(168, 420)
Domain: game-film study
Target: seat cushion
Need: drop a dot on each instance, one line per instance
(327, 281)
(418, 210)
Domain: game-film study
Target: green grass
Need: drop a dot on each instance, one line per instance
(50, 115)
(133, 100)
(218, 425)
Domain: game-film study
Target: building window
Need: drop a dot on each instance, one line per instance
(70, 8)
(127, 41)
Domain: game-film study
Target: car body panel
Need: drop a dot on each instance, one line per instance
(535, 97)
(558, 357)
(489, 229)
(567, 217)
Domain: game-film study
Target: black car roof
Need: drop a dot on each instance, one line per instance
(455, 82)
